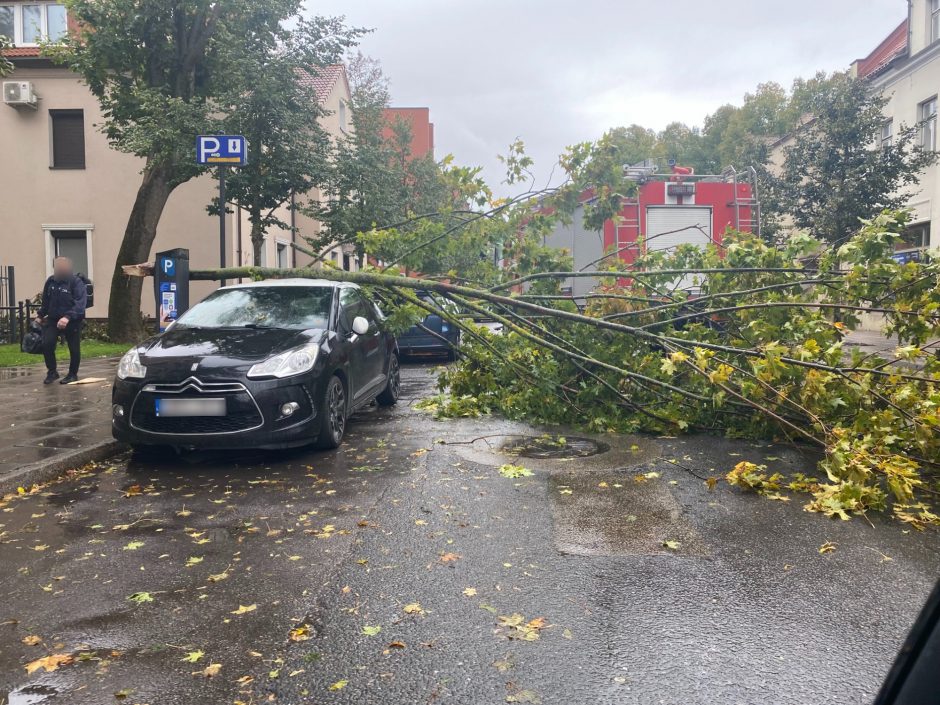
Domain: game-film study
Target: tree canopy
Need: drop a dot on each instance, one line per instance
(164, 72)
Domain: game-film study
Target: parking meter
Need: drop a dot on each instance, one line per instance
(171, 285)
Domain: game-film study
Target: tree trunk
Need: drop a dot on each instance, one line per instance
(124, 320)
(257, 238)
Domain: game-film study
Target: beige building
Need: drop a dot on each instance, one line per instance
(905, 68)
(64, 191)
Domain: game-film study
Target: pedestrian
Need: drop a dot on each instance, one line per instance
(62, 312)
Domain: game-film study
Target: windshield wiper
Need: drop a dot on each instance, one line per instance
(256, 326)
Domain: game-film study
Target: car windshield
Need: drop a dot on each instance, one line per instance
(290, 307)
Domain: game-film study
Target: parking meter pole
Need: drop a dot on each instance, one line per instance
(171, 285)
(222, 218)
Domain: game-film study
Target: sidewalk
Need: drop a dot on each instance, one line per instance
(49, 429)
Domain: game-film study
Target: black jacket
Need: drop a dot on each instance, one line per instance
(66, 298)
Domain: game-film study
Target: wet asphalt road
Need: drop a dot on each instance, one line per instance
(402, 570)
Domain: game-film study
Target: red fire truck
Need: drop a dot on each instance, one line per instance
(669, 209)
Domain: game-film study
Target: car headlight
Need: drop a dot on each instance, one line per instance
(287, 364)
(129, 367)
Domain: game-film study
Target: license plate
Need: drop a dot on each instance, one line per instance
(189, 407)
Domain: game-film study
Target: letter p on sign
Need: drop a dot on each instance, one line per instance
(208, 146)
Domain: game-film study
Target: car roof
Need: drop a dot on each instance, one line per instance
(296, 281)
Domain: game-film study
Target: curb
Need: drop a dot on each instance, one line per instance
(46, 470)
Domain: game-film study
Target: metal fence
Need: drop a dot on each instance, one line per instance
(14, 315)
(9, 309)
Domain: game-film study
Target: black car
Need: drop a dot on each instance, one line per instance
(434, 335)
(270, 364)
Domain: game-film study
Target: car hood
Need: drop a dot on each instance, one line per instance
(216, 352)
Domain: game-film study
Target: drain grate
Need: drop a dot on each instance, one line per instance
(548, 447)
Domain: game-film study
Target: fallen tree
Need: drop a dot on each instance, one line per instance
(759, 352)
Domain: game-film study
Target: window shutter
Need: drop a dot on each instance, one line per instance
(68, 139)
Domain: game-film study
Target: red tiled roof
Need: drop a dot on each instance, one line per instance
(21, 51)
(323, 79)
(893, 46)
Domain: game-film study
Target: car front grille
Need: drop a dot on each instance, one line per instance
(242, 413)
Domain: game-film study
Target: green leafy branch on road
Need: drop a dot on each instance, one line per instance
(759, 353)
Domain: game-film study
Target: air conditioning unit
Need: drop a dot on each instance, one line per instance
(20, 94)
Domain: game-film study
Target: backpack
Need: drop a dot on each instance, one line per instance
(32, 341)
(89, 289)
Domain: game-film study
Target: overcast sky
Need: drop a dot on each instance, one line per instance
(555, 73)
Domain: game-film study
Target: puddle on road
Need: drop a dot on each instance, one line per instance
(613, 514)
(30, 694)
(548, 447)
(556, 450)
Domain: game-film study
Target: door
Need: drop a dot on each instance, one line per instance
(365, 351)
(667, 227)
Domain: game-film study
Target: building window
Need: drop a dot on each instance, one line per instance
(74, 245)
(887, 132)
(342, 113)
(927, 116)
(915, 237)
(283, 255)
(68, 139)
(31, 23)
(934, 20)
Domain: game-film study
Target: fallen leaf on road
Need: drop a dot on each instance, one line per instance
(242, 609)
(523, 696)
(413, 608)
(470, 592)
(193, 560)
(449, 558)
(711, 482)
(514, 471)
(672, 545)
(520, 629)
(32, 640)
(49, 663)
(301, 633)
(218, 577)
(339, 685)
(827, 547)
(212, 669)
(140, 597)
(133, 545)
(193, 656)
(371, 631)
(397, 645)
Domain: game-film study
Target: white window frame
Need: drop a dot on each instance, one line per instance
(887, 133)
(933, 20)
(18, 21)
(928, 124)
(343, 115)
(88, 229)
(277, 243)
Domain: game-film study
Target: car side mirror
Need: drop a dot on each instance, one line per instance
(360, 325)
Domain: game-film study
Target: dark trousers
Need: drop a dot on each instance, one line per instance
(72, 335)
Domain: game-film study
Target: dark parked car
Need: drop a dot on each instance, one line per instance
(434, 335)
(270, 364)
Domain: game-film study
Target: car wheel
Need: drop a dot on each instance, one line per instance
(389, 395)
(332, 414)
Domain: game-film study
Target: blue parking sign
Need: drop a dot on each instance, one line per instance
(229, 150)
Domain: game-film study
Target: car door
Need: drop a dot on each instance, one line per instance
(373, 342)
(363, 358)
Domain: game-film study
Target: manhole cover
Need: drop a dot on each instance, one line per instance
(548, 447)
